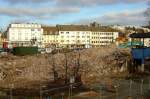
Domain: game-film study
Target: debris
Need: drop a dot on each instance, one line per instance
(30, 71)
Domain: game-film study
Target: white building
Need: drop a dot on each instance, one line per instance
(25, 34)
(73, 36)
(70, 36)
(103, 36)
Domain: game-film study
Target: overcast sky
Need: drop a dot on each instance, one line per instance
(51, 12)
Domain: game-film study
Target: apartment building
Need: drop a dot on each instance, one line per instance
(24, 34)
(103, 36)
(74, 36)
(63, 36)
(79, 36)
(50, 36)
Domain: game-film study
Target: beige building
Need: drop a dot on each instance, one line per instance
(78, 36)
(74, 36)
(50, 36)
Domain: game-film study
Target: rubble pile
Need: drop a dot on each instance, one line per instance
(94, 64)
(101, 63)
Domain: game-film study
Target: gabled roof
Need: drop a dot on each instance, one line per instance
(50, 30)
(73, 28)
(85, 28)
(103, 29)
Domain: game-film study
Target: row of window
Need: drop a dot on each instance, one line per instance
(25, 25)
(26, 34)
(71, 32)
(102, 41)
(102, 33)
(76, 36)
(75, 40)
(26, 38)
(51, 41)
(26, 30)
(102, 37)
(94, 33)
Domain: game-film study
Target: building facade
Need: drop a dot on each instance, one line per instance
(24, 34)
(74, 36)
(79, 36)
(103, 36)
(61, 36)
(50, 36)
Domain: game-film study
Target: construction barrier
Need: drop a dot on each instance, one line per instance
(25, 50)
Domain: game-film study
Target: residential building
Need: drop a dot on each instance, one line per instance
(74, 36)
(50, 36)
(24, 34)
(103, 36)
(62, 36)
(78, 36)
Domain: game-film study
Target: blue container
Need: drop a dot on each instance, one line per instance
(139, 53)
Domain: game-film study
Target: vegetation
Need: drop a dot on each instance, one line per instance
(29, 72)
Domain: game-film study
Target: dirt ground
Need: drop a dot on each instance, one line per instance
(94, 65)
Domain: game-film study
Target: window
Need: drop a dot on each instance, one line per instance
(26, 38)
(19, 34)
(13, 38)
(32, 29)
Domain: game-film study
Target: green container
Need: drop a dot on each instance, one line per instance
(25, 51)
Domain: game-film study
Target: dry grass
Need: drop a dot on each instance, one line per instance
(95, 64)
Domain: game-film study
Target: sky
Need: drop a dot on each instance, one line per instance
(52, 12)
